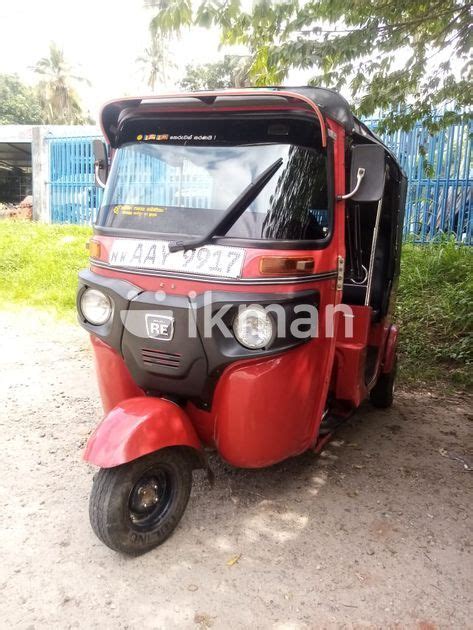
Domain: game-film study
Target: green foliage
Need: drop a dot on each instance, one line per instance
(39, 265)
(19, 104)
(172, 15)
(233, 71)
(59, 100)
(401, 56)
(434, 312)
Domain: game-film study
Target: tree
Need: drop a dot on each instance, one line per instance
(233, 71)
(407, 56)
(156, 61)
(19, 104)
(59, 100)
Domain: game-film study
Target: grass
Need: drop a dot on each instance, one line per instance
(435, 314)
(39, 265)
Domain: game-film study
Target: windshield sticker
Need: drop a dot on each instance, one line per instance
(163, 137)
(138, 211)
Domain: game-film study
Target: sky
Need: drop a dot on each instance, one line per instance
(101, 39)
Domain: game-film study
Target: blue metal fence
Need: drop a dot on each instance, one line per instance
(74, 197)
(438, 204)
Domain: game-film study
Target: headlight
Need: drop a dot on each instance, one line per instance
(96, 307)
(253, 328)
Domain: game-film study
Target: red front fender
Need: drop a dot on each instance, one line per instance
(136, 427)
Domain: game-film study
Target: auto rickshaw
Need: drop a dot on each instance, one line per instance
(239, 298)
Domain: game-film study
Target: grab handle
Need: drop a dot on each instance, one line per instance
(359, 177)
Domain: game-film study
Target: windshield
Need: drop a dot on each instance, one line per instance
(182, 190)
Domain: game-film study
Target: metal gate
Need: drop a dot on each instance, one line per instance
(74, 197)
(439, 171)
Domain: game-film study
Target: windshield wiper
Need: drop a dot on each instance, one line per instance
(232, 213)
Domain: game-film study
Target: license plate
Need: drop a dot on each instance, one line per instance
(209, 260)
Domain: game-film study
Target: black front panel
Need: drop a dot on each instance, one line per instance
(163, 338)
(158, 349)
(221, 349)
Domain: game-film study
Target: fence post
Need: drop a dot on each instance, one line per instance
(40, 164)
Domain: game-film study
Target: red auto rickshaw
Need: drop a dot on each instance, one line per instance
(239, 298)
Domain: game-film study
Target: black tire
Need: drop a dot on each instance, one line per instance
(382, 394)
(135, 507)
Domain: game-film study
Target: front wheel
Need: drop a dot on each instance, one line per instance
(136, 506)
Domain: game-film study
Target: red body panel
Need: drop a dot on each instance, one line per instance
(263, 410)
(351, 358)
(349, 377)
(136, 427)
(115, 381)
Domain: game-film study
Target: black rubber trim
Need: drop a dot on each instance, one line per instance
(235, 242)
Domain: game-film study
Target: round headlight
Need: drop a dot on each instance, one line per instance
(96, 307)
(253, 328)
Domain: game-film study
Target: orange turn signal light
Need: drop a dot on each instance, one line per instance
(94, 248)
(286, 264)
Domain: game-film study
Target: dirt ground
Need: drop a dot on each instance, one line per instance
(374, 533)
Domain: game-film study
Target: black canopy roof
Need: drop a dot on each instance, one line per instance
(335, 106)
(329, 102)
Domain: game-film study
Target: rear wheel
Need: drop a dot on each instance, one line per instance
(382, 394)
(136, 506)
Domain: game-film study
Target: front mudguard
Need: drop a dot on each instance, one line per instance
(139, 426)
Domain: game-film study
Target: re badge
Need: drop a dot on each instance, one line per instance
(160, 326)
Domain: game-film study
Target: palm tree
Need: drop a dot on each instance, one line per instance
(156, 62)
(59, 100)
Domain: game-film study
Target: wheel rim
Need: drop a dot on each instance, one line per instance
(150, 498)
